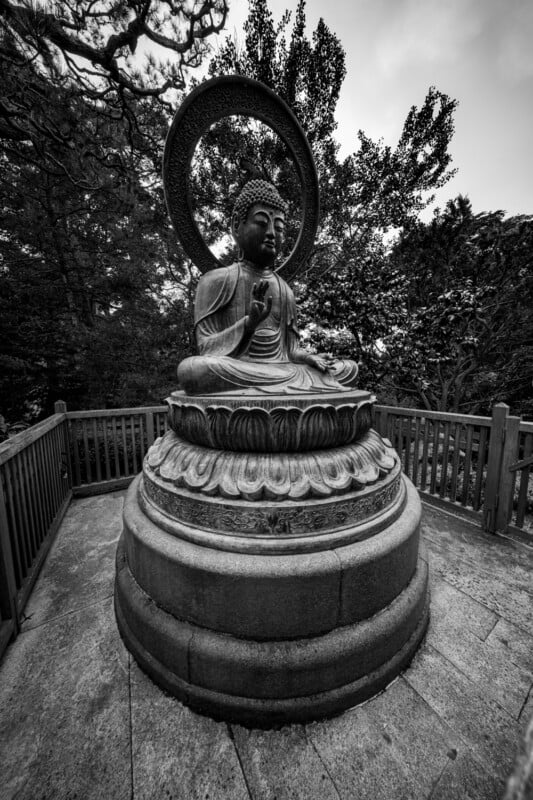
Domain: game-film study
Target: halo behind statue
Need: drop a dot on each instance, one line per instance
(206, 105)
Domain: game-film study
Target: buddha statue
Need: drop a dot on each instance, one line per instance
(245, 316)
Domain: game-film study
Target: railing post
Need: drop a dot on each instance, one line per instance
(8, 589)
(500, 413)
(499, 486)
(60, 407)
(507, 478)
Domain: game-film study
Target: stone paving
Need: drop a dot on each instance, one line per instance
(78, 718)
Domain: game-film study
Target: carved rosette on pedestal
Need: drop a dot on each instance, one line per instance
(269, 569)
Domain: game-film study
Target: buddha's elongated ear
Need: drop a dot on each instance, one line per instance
(235, 222)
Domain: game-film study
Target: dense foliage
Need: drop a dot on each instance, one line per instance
(86, 247)
(95, 293)
(466, 340)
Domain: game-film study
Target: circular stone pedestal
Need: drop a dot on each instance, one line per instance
(267, 599)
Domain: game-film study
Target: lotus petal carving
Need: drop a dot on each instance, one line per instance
(282, 429)
(270, 476)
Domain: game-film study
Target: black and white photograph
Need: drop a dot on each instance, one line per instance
(266, 400)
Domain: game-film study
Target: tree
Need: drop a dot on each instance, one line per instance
(466, 341)
(349, 288)
(85, 48)
(86, 247)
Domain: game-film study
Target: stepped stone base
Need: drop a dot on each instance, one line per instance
(265, 585)
(269, 639)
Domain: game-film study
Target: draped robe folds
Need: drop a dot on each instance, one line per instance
(232, 360)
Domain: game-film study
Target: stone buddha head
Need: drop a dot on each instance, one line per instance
(258, 223)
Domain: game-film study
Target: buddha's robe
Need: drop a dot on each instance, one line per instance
(232, 360)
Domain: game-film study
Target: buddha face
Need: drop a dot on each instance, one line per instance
(260, 235)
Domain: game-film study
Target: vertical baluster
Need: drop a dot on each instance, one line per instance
(416, 451)
(14, 528)
(20, 511)
(133, 444)
(425, 447)
(88, 472)
(25, 507)
(125, 446)
(105, 422)
(142, 446)
(458, 428)
(75, 442)
(524, 481)
(38, 488)
(467, 464)
(97, 451)
(27, 479)
(407, 458)
(444, 469)
(47, 508)
(43, 441)
(480, 467)
(435, 456)
(49, 451)
(115, 447)
(62, 483)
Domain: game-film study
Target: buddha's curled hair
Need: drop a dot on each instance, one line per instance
(257, 191)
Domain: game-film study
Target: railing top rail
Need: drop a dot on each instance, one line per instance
(114, 412)
(21, 440)
(447, 416)
(526, 427)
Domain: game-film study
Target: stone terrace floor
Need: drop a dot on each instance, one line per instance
(78, 718)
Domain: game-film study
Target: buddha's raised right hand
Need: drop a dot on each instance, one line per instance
(259, 310)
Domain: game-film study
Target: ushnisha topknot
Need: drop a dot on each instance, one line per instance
(257, 191)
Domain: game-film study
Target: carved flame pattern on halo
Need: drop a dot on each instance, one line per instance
(207, 104)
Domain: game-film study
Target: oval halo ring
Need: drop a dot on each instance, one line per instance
(207, 104)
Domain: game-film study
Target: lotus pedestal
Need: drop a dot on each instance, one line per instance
(269, 569)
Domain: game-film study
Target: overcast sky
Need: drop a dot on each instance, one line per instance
(479, 52)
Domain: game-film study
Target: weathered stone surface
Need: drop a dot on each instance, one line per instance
(268, 637)
(79, 569)
(514, 644)
(376, 571)
(64, 709)
(272, 527)
(507, 684)
(355, 751)
(269, 476)
(466, 707)
(281, 424)
(494, 571)
(177, 753)
(183, 755)
(271, 682)
(406, 720)
(283, 764)
(464, 777)
(451, 606)
(265, 596)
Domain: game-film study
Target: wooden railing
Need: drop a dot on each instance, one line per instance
(35, 490)
(481, 465)
(107, 447)
(445, 455)
(522, 477)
